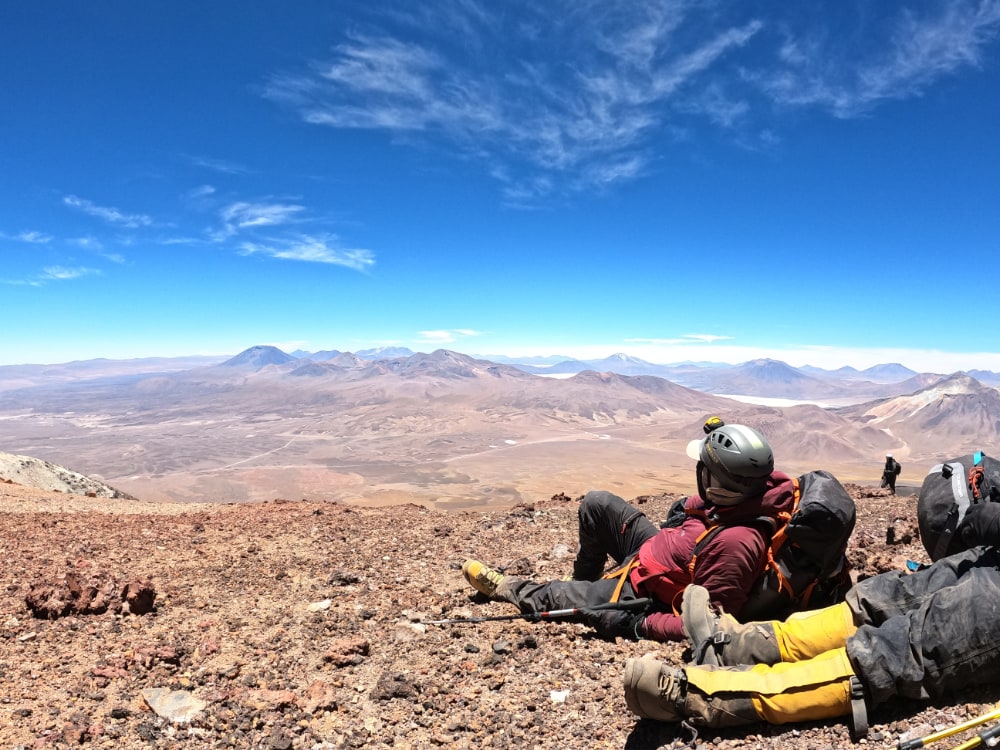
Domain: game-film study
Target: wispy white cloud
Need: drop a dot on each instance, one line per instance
(244, 219)
(202, 191)
(180, 240)
(585, 117)
(62, 273)
(244, 215)
(312, 250)
(32, 237)
(219, 165)
(687, 338)
(53, 273)
(88, 243)
(898, 61)
(446, 336)
(588, 92)
(110, 215)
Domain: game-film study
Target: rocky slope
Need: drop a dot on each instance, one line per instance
(45, 475)
(303, 625)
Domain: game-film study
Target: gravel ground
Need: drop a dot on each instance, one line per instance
(302, 625)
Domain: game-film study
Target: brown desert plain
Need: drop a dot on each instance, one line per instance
(449, 431)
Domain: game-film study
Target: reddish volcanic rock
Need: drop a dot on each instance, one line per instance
(304, 626)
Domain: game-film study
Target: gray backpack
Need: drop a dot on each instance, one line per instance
(948, 490)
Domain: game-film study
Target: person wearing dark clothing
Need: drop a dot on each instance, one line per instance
(889, 473)
(736, 480)
(918, 635)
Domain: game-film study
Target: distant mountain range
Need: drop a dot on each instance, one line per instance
(760, 377)
(445, 427)
(763, 378)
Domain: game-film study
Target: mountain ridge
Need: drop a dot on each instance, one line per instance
(452, 430)
(27, 374)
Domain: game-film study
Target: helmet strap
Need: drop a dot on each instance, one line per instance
(704, 479)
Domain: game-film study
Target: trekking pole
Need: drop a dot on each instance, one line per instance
(987, 738)
(551, 614)
(958, 728)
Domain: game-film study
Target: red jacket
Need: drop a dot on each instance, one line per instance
(728, 565)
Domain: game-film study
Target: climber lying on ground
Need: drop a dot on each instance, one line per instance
(915, 635)
(738, 490)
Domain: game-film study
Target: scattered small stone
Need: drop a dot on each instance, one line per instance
(393, 685)
(319, 696)
(139, 597)
(347, 651)
(409, 631)
(279, 739)
(342, 578)
(178, 706)
(560, 552)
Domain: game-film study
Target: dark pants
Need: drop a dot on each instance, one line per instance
(609, 527)
(889, 480)
(928, 633)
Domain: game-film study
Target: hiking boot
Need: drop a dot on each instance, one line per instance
(654, 689)
(719, 697)
(719, 639)
(482, 579)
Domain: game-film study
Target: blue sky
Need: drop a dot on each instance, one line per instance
(712, 181)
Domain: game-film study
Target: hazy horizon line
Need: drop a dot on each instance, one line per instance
(825, 358)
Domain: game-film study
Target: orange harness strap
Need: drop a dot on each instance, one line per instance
(699, 544)
(975, 477)
(779, 538)
(622, 575)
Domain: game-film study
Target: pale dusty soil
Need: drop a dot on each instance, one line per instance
(298, 625)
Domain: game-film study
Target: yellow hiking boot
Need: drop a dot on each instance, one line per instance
(482, 579)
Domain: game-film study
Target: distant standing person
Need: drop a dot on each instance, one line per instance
(890, 472)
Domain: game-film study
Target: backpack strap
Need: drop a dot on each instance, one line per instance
(703, 538)
(773, 525)
(778, 540)
(975, 479)
(986, 487)
(960, 490)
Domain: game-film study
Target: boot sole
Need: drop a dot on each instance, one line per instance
(699, 624)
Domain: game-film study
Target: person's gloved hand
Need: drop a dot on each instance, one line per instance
(981, 524)
(616, 623)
